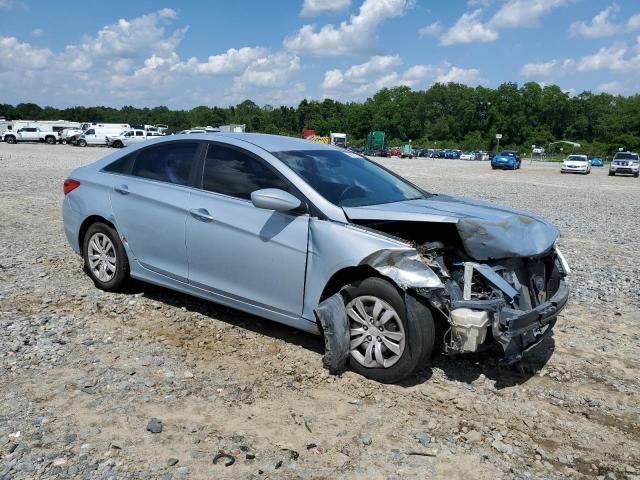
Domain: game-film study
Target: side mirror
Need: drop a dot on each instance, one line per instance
(274, 199)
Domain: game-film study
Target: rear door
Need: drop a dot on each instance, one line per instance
(249, 254)
(150, 200)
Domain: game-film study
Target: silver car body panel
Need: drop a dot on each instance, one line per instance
(278, 264)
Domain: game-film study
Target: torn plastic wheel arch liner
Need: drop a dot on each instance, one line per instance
(404, 268)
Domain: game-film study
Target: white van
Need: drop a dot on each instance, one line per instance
(97, 135)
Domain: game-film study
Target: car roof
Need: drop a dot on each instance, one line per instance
(270, 143)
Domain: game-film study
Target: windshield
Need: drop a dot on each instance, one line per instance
(506, 153)
(626, 156)
(576, 158)
(346, 179)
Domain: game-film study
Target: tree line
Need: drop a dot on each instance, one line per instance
(443, 116)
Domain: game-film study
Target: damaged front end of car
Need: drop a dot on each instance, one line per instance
(496, 278)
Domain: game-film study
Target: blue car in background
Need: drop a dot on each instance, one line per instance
(597, 162)
(506, 160)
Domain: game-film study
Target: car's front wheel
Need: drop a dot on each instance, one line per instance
(386, 346)
(105, 258)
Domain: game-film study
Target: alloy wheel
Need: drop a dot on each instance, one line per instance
(101, 255)
(377, 333)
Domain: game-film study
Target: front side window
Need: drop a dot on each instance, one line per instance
(235, 173)
(90, 132)
(166, 163)
(346, 179)
(139, 134)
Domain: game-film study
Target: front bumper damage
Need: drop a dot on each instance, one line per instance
(518, 331)
(519, 318)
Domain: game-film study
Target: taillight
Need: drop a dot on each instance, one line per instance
(69, 185)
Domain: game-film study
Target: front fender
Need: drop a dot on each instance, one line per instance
(334, 246)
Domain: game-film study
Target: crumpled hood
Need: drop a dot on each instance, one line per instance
(487, 231)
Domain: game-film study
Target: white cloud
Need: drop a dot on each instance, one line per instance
(469, 29)
(612, 58)
(469, 76)
(603, 24)
(613, 87)
(432, 30)
(363, 80)
(311, 8)
(22, 56)
(332, 79)
(233, 61)
(600, 26)
(357, 35)
(272, 71)
(524, 13)
(134, 61)
(553, 68)
(376, 65)
(37, 32)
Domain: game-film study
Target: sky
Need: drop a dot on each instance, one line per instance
(189, 53)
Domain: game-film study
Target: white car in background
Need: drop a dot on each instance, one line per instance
(128, 137)
(467, 156)
(576, 164)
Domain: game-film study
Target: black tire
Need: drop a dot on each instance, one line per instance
(82, 143)
(611, 174)
(636, 174)
(419, 331)
(50, 140)
(122, 262)
(10, 139)
(118, 144)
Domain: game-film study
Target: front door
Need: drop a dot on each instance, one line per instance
(249, 254)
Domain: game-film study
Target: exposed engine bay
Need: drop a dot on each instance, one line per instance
(512, 301)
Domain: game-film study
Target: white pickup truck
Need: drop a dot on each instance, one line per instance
(127, 138)
(29, 134)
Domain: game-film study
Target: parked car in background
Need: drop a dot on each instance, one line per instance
(467, 156)
(97, 135)
(323, 240)
(394, 152)
(406, 151)
(30, 134)
(576, 164)
(506, 160)
(597, 162)
(129, 137)
(625, 162)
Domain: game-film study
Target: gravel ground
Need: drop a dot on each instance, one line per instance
(154, 384)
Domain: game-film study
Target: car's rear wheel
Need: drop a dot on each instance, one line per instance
(10, 139)
(50, 140)
(105, 257)
(611, 174)
(386, 346)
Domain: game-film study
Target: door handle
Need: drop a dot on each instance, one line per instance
(123, 189)
(201, 214)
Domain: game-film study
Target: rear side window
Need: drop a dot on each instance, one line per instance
(169, 162)
(237, 174)
(139, 134)
(122, 165)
